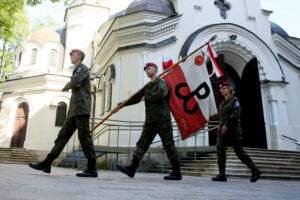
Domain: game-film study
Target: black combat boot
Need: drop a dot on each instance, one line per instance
(131, 169)
(221, 176)
(90, 171)
(255, 173)
(176, 174)
(45, 165)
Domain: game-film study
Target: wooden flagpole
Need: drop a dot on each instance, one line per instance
(161, 74)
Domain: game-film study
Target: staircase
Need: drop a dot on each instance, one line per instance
(274, 164)
(16, 155)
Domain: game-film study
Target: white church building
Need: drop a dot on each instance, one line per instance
(120, 36)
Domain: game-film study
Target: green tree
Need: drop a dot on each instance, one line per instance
(36, 2)
(47, 21)
(12, 33)
(14, 28)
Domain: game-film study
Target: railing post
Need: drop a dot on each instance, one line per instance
(195, 152)
(129, 142)
(108, 139)
(73, 148)
(118, 138)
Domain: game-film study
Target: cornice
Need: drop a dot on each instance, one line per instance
(142, 33)
(287, 50)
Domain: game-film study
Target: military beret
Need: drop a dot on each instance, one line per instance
(150, 64)
(225, 84)
(79, 51)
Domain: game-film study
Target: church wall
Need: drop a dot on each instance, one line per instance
(81, 23)
(41, 130)
(292, 102)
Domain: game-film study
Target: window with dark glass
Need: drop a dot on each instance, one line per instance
(61, 112)
(20, 58)
(52, 58)
(33, 56)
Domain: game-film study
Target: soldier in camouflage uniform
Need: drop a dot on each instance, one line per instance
(230, 133)
(158, 120)
(77, 117)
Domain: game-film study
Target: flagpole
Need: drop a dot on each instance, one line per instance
(161, 74)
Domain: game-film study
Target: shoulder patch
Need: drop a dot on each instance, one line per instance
(78, 70)
(237, 104)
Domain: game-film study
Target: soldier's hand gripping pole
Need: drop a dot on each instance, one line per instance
(117, 108)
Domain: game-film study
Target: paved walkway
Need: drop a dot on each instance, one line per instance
(19, 182)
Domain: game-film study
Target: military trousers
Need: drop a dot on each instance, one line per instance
(81, 123)
(222, 143)
(165, 130)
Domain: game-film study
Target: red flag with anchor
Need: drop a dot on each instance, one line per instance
(191, 96)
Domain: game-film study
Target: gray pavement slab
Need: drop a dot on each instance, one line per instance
(19, 182)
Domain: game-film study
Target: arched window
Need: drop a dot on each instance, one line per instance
(109, 96)
(106, 89)
(61, 112)
(20, 58)
(103, 98)
(33, 56)
(110, 77)
(52, 58)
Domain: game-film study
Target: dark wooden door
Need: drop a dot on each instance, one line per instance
(252, 116)
(21, 119)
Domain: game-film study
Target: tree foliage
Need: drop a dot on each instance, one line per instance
(9, 42)
(14, 27)
(36, 2)
(42, 22)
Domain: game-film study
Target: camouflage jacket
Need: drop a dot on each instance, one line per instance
(156, 100)
(230, 112)
(80, 103)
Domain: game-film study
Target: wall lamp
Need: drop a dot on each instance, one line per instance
(232, 37)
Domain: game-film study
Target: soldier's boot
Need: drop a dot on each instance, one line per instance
(176, 174)
(255, 173)
(221, 176)
(45, 165)
(90, 171)
(131, 169)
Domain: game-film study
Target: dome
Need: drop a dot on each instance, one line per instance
(160, 6)
(275, 28)
(45, 35)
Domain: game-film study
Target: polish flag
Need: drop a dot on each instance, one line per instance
(213, 55)
(191, 96)
(167, 62)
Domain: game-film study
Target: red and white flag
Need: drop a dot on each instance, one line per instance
(167, 62)
(191, 96)
(212, 56)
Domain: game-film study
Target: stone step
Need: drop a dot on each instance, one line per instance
(235, 175)
(252, 155)
(214, 168)
(273, 163)
(16, 155)
(296, 157)
(241, 165)
(254, 158)
(236, 161)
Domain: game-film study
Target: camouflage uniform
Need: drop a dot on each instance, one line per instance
(158, 120)
(229, 113)
(78, 115)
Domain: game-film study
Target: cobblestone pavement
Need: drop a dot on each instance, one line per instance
(19, 182)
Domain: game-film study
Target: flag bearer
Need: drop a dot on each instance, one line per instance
(158, 120)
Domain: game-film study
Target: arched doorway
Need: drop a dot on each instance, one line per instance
(20, 126)
(247, 89)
